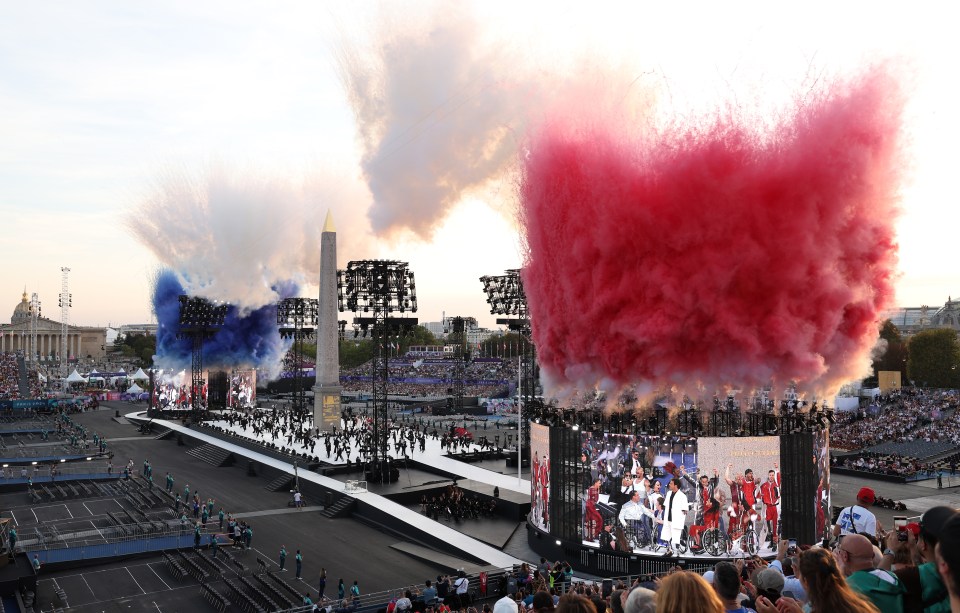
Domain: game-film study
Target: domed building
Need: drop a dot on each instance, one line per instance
(82, 341)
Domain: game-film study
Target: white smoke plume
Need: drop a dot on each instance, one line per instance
(233, 234)
(440, 112)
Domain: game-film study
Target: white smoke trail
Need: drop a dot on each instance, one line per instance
(233, 234)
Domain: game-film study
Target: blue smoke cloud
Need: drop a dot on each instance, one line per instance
(247, 339)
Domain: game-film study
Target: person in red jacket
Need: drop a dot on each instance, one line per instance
(770, 495)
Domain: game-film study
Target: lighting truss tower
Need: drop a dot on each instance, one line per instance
(34, 317)
(66, 301)
(458, 326)
(199, 320)
(505, 296)
(297, 319)
(725, 417)
(377, 288)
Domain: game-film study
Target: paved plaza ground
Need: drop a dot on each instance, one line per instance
(347, 548)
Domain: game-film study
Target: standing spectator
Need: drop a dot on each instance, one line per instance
(283, 558)
(858, 519)
(322, 584)
(299, 561)
(948, 560)
(925, 587)
(881, 587)
(429, 594)
(825, 587)
(686, 592)
(355, 592)
(641, 600)
(340, 590)
(462, 585)
(726, 583)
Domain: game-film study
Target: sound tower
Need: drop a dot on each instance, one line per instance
(798, 488)
(218, 390)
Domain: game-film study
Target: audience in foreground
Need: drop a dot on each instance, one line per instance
(852, 577)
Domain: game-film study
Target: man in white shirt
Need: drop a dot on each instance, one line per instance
(675, 514)
(858, 519)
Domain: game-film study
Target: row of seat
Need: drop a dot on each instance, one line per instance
(244, 601)
(215, 598)
(283, 583)
(176, 569)
(194, 569)
(275, 594)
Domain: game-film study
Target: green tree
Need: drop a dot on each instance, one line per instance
(418, 335)
(894, 357)
(138, 347)
(354, 352)
(934, 358)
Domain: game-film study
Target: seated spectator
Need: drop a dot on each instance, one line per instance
(687, 592)
(405, 603)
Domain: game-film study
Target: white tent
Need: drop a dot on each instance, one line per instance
(135, 389)
(75, 377)
(140, 376)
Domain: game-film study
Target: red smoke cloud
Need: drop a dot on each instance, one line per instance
(721, 256)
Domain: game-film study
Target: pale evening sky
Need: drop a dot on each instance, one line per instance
(100, 100)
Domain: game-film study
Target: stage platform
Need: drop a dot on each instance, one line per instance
(433, 455)
(370, 506)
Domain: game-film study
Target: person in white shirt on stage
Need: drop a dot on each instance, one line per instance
(675, 509)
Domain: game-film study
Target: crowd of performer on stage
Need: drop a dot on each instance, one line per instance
(455, 503)
(671, 509)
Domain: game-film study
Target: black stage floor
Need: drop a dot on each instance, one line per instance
(347, 548)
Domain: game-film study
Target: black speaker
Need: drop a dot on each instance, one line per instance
(798, 490)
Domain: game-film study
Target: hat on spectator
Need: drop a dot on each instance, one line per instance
(542, 600)
(769, 579)
(708, 576)
(505, 605)
(866, 495)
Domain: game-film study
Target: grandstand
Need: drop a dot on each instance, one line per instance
(909, 435)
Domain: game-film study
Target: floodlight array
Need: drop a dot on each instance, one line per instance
(367, 285)
(196, 312)
(297, 317)
(505, 293)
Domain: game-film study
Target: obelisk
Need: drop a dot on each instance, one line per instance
(326, 392)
